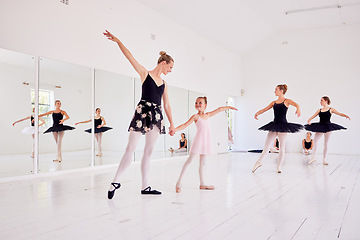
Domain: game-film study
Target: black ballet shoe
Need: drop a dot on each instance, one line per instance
(149, 191)
(112, 192)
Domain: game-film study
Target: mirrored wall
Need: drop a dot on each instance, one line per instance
(94, 105)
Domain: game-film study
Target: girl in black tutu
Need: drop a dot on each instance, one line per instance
(99, 123)
(324, 127)
(279, 127)
(58, 128)
(148, 118)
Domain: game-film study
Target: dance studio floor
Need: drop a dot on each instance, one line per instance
(304, 202)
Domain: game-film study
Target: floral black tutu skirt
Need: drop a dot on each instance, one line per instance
(282, 127)
(99, 130)
(146, 116)
(323, 127)
(59, 128)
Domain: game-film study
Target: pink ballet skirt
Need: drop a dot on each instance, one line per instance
(202, 141)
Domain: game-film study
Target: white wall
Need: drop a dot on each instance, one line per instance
(313, 63)
(74, 34)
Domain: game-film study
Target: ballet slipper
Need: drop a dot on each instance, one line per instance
(99, 155)
(256, 166)
(311, 161)
(207, 187)
(278, 170)
(178, 188)
(325, 163)
(56, 160)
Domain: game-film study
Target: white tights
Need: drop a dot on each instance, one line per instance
(98, 137)
(201, 168)
(58, 136)
(269, 142)
(150, 140)
(326, 140)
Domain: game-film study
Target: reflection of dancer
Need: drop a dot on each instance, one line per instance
(201, 144)
(58, 128)
(307, 144)
(31, 129)
(279, 127)
(99, 123)
(148, 118)
(182, 145)
(324, 127)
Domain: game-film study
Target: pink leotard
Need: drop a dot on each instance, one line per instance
(202, 141)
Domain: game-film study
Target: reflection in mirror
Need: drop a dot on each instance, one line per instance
(159, 149)
(192, 128)
(114, 95)
(17, 134)
(175, 145)
(65, 97)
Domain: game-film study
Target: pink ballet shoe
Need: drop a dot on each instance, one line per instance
(256, 166)
(325, 163)
(311, 161)
(207, 187)
(178, 188)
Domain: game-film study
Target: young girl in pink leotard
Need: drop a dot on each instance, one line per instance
(201, 143)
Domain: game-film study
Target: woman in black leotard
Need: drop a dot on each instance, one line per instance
(99, 126)
(324, 127)
(148, 118)
(58, 128)
(279, 127)
(182, 145)
(31, 128)
(307, 144)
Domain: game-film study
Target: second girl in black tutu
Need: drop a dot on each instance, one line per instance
(324, 127)
(58, 128)
(279, 127)
(99, 126)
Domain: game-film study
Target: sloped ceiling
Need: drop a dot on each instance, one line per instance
(239, 25)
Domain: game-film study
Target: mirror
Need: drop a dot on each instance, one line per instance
(16, 143)
(178, 98)
(114, 95)
(72, 85)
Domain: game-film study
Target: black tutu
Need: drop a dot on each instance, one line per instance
(323, 127)
(146, 116)
(282, 127)
(59, 128)
(98, 130)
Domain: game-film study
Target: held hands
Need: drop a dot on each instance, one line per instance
(110, 36)
(172, 131)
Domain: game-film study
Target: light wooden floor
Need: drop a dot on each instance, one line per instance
(304, 202)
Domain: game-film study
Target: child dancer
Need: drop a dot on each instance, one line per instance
(324, 127)
(307, 144)
(201, 143)
(31, 129)
(279, 127)
(99, 123)
(148, 118)
(58, 128)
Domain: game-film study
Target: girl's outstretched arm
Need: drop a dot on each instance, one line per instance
(136, 65)
(45, 114)
(185, 125)
(21, 120)
(339, 113)
(313, 116)
(264, 110)
(298, 112)
(83, 122)
(220, 109)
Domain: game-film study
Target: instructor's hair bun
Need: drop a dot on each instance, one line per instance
(165, 57)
